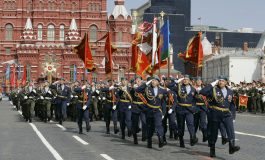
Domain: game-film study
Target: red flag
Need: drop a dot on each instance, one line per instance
(109, 49)
(243, 101)
(194, 51)
(13, 76)
(140, 61)
(24, 77)
(84, 53)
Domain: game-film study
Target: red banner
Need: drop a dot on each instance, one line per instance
(243, 101)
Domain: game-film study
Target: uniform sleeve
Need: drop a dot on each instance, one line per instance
(89, 98)
(207, 91)
(141, 88)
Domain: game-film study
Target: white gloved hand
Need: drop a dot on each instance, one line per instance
(83, 87)
(97, 91)
(234, 121)
(168, 89)
(111, 88)
(147, 83)
(67, 104)
(114, 107)
(41, 97)
(99, 98)
(179, 80)
(49, 92)
(214, 83)
(25, 97)
(163, 117)
(170, 111)
(54, 97)
(104, 98)
(34, 91)
(84, 107)
(130, 107)
(135, 86)
(71, 96)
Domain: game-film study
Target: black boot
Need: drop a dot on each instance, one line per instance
(135, 139)
(116, 130)
(80, 130)
(212, 152)
(30, 120)
(176, 135)
(224, 141)
(171, 134)
(204, 136)
(193, 140)
(107, 129)
(129, 133)
(181, 142)
(160, 142)
(122, 134)
(164, 140)
(149, 143)
(88, 128)
(232, 147)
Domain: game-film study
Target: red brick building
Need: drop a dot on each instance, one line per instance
(40, 34)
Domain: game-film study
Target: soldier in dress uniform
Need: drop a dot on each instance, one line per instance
(82, 106)
(47, 101)
(110, 107)
(29, 105)
(170, 112)
(201, 110)
(62, 100)
(154, 96)
(139, 110)
(220, 104)
(185, 109)
(124, 107)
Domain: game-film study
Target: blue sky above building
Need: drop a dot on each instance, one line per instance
(229, 14)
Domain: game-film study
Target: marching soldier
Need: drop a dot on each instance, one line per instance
(110, 107)
(201, 111)
(185, 109)
(82, 106)
(47, 102)
(154, 96)
(124, 107)
(138, 111)
(219, 111)
(63, 96)
(29, 105)
(170, 113)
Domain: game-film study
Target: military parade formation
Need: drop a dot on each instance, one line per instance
(157, 105)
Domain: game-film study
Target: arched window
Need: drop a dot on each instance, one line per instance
(74, 6)
(9, 32)
(62, 6)
(119, 36)
(29, 5)
(39, 32)
(73, 73)
(51, 5)
(50, 33)
(62, 32)
(40, 5)
(93, 33)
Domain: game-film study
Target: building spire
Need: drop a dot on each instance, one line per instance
(73, 26)
(28, 33)
(119, 9)
(28, 25)
(73, 34)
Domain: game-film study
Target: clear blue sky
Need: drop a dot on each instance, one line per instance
(230, 14)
